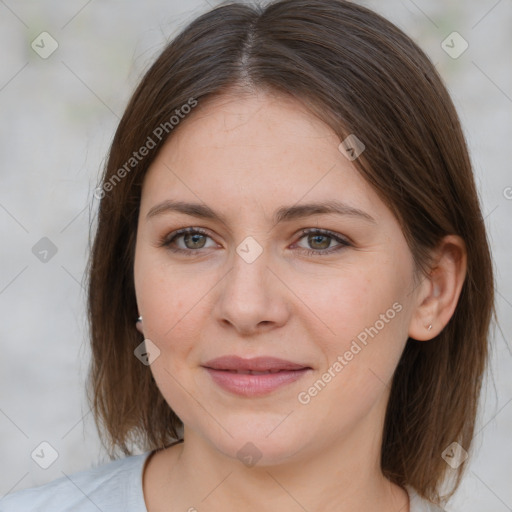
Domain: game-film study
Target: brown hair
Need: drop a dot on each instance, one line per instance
(361, 75)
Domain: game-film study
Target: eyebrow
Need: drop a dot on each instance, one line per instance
(283, 214)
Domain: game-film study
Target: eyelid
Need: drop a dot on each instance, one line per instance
(332, 234)
(168, 238)
(343, 241)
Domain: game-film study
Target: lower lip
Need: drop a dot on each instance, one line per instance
(254, 385)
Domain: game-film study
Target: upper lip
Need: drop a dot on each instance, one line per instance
(257, 364)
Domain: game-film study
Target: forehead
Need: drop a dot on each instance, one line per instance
(235, 151)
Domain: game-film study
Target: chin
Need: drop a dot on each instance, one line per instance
(256, 440)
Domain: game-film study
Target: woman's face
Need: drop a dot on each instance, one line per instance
(334, 304)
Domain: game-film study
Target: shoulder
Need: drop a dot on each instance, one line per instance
(116, 485)
(419, 504)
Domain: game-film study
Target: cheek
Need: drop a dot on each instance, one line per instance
(340, 305)
(154, 291)
(173, 300)
(171, 303)
(168, 306)
(359, 365)
(363, 323)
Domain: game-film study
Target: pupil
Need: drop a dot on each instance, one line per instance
(324, 245)
(194, 238)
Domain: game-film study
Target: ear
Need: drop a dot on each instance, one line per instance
(438, 294)
(138, 325)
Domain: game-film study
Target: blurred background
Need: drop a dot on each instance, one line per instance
(67, 71)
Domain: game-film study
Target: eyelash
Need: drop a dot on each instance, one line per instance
(167, 240)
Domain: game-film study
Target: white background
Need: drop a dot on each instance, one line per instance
(57, 119)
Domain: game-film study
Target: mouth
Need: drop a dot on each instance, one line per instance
(255, 364)
(253, 377)
(251, 372)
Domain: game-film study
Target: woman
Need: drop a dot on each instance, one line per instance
(290, 284)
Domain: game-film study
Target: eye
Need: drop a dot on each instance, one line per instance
(192, 239)
(320, 240)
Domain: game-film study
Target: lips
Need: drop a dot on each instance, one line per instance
(256, 364)
(253, 377)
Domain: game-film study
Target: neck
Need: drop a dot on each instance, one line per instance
(340, 477)
(325, 483)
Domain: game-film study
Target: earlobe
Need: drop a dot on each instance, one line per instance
(439, 294)
(138, 325)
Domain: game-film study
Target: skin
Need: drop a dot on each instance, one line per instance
(245, 156)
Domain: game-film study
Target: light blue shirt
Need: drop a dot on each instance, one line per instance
(113, 487)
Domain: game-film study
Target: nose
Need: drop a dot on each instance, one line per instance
(251, 299)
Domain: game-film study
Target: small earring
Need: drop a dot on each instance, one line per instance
(429, 327)
(139, 319)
